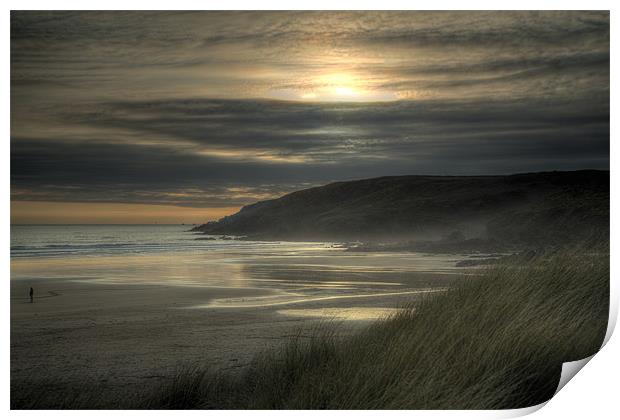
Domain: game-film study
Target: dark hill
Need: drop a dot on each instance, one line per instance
(534, 208)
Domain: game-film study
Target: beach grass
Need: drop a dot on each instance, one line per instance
(495, 340)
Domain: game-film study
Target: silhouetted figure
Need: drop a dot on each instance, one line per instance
(31, 295)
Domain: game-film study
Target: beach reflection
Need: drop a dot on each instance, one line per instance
(294, 279)
(300, 298)
(341, 314)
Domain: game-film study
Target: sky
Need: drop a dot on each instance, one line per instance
(184, 117)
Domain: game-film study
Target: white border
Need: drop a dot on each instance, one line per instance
(592, 394)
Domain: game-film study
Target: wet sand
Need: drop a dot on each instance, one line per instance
(121, 337)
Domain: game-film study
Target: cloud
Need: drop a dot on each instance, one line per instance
(241, 54)
(288, 145)
(172, 108)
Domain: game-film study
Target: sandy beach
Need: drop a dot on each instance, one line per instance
(119, 336)
(94, 324)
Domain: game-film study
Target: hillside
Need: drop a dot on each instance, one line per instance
(533, 208)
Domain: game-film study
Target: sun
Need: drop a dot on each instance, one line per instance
(334, 87)
(343, 90)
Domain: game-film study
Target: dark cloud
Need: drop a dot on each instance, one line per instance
(161, 107)
(249, 144)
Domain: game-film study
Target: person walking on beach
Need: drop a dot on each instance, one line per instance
(31, 295)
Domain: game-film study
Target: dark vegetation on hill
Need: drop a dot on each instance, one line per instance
(525, 209)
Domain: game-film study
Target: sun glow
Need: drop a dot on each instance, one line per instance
(344, 87)
(336, 87)
(343, 90)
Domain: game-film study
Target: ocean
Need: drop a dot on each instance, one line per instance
(105, 240)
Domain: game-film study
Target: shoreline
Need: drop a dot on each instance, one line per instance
(117, 335)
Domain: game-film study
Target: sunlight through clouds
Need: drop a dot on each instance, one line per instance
(127, 102)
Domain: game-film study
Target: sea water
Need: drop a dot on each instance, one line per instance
(172, 255)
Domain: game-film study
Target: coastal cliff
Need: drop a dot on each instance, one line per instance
(532, 208)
